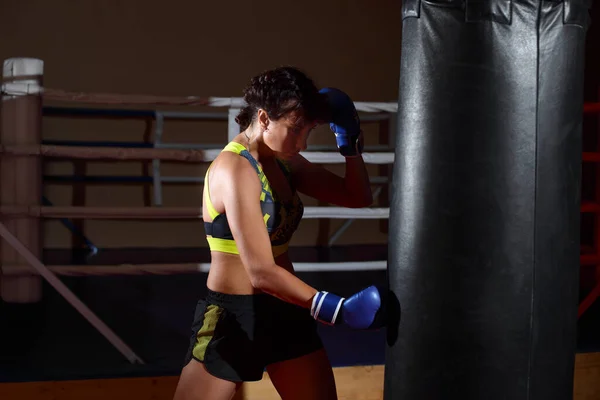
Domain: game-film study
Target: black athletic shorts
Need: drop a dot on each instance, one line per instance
(237, 336)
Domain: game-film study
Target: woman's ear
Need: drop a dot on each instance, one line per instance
(263, 119)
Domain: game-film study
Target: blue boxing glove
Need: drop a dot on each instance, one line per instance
(344, 122)
(364, 310)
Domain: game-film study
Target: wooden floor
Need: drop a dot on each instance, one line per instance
(354, 383)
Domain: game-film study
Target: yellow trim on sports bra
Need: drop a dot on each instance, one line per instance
(229, 246)
(222, 245)
(234, 147)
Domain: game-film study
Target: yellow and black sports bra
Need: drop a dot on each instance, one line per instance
(281, 218)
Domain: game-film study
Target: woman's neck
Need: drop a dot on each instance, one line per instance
(253, 141)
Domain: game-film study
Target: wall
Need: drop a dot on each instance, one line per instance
(193, 48)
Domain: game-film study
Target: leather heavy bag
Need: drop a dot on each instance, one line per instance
(485, 211)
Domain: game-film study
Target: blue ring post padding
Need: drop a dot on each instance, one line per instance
(67, 222)
(96, 112)
(91, 143)
(98, 179)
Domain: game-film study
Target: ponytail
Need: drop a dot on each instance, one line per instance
(244, 118)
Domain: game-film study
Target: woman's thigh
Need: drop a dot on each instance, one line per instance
(305, 377)
(195, 383)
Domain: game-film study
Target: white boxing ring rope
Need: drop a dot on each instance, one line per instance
(238, 102)
(184, 268)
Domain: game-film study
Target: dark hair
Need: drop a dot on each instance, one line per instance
(279, 91)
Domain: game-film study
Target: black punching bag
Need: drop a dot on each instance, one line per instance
(484, 220)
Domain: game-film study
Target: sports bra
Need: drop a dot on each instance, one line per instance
(281, 217)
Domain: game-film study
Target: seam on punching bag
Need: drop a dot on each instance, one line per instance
(535, 197)
(446, 3)
(411, 9)
(489, 10)
(576, 12)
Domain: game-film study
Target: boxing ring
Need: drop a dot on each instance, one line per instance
(22, 87)
(23, 108)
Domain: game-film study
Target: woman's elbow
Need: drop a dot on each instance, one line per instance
(260, 277)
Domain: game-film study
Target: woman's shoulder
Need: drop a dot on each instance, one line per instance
(229, 166)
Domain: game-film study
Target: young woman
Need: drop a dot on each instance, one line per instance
(257, 314)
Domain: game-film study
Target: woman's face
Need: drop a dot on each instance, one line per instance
(288, 135)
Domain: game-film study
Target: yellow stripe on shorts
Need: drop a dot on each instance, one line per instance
(207, 331)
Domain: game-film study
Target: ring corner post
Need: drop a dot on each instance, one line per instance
(21, 176)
